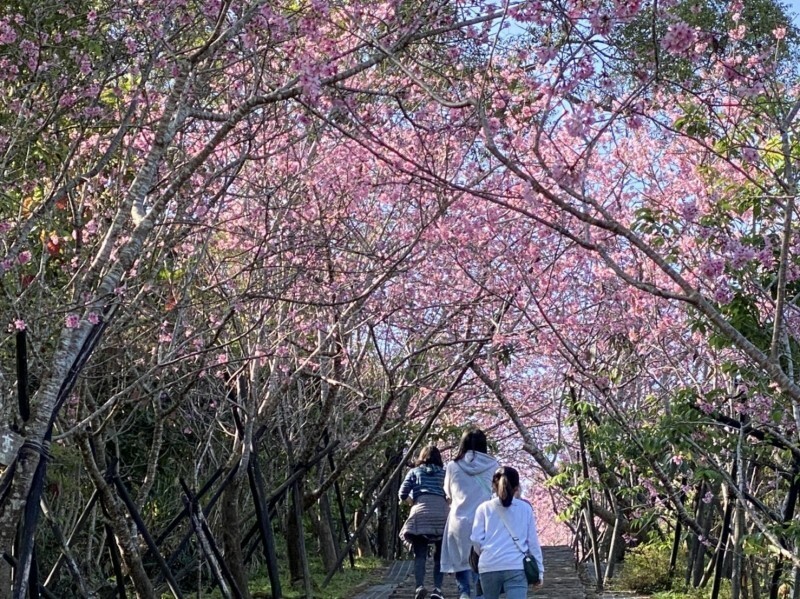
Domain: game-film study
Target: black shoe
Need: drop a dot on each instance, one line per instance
(420, 593)
(437, 594)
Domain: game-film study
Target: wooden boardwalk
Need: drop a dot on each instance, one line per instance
(561, 580)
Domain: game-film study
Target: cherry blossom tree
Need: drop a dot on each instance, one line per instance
(130, 121)
(379, 221)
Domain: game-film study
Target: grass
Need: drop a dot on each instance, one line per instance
(344, 585)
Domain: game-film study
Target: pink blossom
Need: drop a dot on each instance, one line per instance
(545, 54)
(738, 33)
(766, 258)
(627, 8)
(723, 293)
(574, 127)
(708, 497)
(741, 255)
(67, 100)
(779, 33)
(7, 33)
(20, 325)
(712, 268)
(677, 459)
(601, 23)
(72, 321)
(93, 318)
(85, 65)
(24, 257)
(792, 273)
(749, 155)
(679, 39)
(689, 211)
(706, 407)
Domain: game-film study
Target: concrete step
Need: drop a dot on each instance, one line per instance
(561, 580)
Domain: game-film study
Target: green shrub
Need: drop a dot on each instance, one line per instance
(645, 569)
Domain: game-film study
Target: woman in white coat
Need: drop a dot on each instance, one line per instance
(467, 484)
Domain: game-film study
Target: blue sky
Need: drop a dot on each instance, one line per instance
(795, 5)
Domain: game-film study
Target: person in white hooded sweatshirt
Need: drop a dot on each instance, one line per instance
(498, 522)
(467, 484)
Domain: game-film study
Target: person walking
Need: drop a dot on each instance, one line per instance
(504, 529)
(423, 488)
(467, 484)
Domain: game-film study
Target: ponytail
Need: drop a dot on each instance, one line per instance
(505, 482)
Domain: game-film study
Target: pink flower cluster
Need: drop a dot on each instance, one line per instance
(712, 268)
(679, 39)
(8, 34)
(739, 254)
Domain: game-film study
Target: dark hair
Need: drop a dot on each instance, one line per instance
(505, 483)
(429, 455)
(472, 440)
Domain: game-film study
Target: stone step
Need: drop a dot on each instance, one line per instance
(561, 580)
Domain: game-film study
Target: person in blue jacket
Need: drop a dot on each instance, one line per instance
(423, 488)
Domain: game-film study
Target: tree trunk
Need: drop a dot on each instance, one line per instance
(388, 512)
(232, 534)
(296, 543)
(722, 548)
(128, 547)
(737, 576)
(755, 579)
(323, 528)
(363, 546)
(613, 552)
(18, 478)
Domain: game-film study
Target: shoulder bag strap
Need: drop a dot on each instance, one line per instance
(480, 480)
(502, 515)
(483, 484)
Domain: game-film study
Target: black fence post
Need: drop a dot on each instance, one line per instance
(265, 525)
(134, 513)
(223, 576)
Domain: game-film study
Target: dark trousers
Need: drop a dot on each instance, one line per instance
(419, 545)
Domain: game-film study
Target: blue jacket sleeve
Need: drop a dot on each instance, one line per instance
(407, 486)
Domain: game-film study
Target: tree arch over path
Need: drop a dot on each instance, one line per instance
(235, 224)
